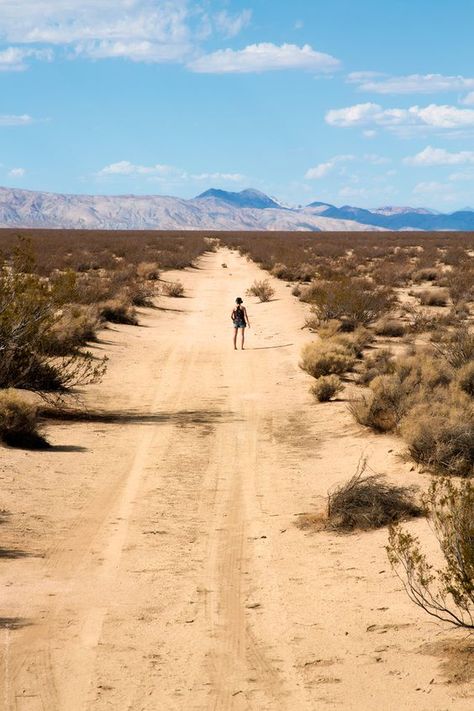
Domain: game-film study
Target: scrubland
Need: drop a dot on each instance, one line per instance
(361, 355)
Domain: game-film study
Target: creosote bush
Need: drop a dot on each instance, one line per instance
(355, 300)
(326, 387)
(367, 501)
(383, 408)
(119, 310)
(262, 289)
(173, 288)
(19, 422)
(466, 378)
(320, 358)
(390, 327)
(433, 297)
(439, 432)
(447, 593)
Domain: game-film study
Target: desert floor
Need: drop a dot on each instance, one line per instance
(153, 563)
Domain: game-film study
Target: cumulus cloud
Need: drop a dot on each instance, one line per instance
(434, 116)
(378, 83)
(440, 156)
(14, 59)
(13, 120)
(264, 57)
(322, 169)
(16, 172)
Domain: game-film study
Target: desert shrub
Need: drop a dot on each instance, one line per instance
(74, 326)
(326, 358)
(356, 341)
(326, 387)
(28, 316)
(379, 362)
(173, 288)
(263, 290)
(224, 265)
(367, 501)
(433, 297)
(423, 370)
(281, 271)
(19, 421)
(329, 329)
(426, 274)
(141, 293)
(439, 432)
(466, 378)
(390, 327)
(385, 405)
(296, 290)
(148, 271)
(447, 593)
(460, 283)
(119, 310)
(456, 347)
(349, 299)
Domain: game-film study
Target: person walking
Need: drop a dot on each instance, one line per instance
(240, 320)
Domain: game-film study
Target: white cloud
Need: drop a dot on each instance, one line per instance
(429, 187)
(227, 177)
(322, 169)
(440, 156)
(154, 30)
(231, 25)
(16, 172)
(264, 57)
(163, 173)
(434, 116)
(378, 83)
(124, 167)
(12, 120)
(462, 176)
(468, 100)
(13, 59)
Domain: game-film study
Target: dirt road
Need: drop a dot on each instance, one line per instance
(153, 564)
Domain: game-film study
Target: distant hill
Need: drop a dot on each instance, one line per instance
(212, 210)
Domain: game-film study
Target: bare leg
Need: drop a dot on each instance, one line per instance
(235, 338)
(243, 337)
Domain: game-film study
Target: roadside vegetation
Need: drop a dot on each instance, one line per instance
(57, 290)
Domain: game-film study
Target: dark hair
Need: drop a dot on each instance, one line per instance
(238, 300)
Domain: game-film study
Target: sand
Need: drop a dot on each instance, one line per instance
(154, 564)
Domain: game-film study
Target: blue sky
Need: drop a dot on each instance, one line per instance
(345, 101)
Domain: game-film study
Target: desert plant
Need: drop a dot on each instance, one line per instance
(385, 405)
(263, 290)
(379, 362)
(148, 271)
(119, 310)
(320, 358)
(19, 422)
(447, 593)
(296, 290)
(439, 431)
(433, 297)
(326, 387)
(367, 501)
(350, 299)
(75, 325)
(466, 378)
(457, 347)
(390, 327)
(173, 288)
(141, 293)
(28, 316)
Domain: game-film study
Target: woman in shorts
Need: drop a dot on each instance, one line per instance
(240, 320)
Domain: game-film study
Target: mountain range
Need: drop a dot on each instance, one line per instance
(213, 209)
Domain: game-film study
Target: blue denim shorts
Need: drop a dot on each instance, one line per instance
(239, 324)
